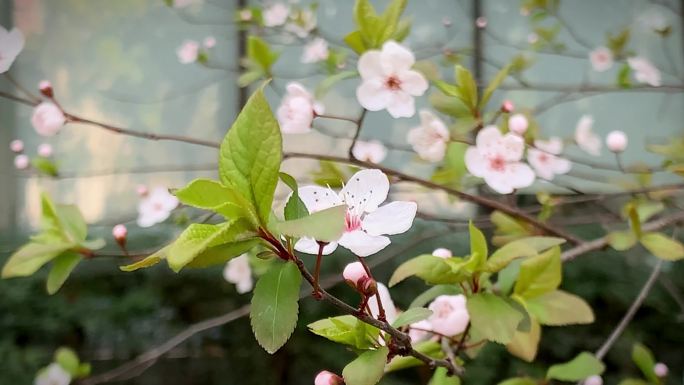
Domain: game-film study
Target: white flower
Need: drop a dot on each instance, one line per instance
(585, 138)
(366, 224)
(11, 43)
(373, 151)
(442, 253)
(315, 51)
(237, 271)
(544, 160)
(53, 375)
(387, 304)
(496, 158)
(188, 52)
(156, 207)
(387, 81)
(297, 110)
(481, 22)
(449, 315)
(301, 23)
(644, 71)
(21, 162)
(420, 331)
(47, 119)
(616, 141)
(45, 150)
(655, 20)
(518, 124)
(431, 138)
(661, 370)
(17, 145)
(275, 15)
(601, 59)
(593, 380)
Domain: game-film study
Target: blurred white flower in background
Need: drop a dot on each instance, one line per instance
(644, 71)
(275, 14)
(372, 151)
(301, 23)
(315, 51)
(543, 158)
(449, 315)
(430, 139)
(47, 119)
(156, 207)
(585, 138)
(239, 272)
(188, 52)
(11, 44)
(601, 59)
(297, 110)
(54, 374)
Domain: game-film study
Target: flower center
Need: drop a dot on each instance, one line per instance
(393, 83)
(351, 222)
(444, 310)
(157, 206)
(543, 157)
(497, 163)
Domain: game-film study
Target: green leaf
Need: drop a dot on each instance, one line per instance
(524, 344)
(31, 257)
(434, 292)
(521, 248)
(328, 83)
(518, 381)
(441, 377)
(45, 166)
(148, 261)
(251, 153)
(84, 370)
(211, 195)
(429, 348)
(663, 246)
(478, 243)
(294, 208)
(633, 381)
(540, 274)
(325, 225)
(355, 41)
(449, 105)
(579, 368)
(219, 255)
(260, 52)
(621, 240)
(402, 30)
(199, 237)
(447, 88)
(560, 308)
(492, 317)
(467, 87)
(275, 305)
(72, 222)
(411, 315)
(390, 19)
(68, 360)
(453, 167)
(366, 369)
(431, 269)
(62, 266)
(249, 77)
(643, 358)
(347, 330)
(493, 85)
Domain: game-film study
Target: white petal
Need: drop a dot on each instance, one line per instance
(310, 246)
(395, 57)
(362, 244)
(519, 174)
(318, 198)
(373, 95)
(561, 166)
(394, 218)
(413, 83)
(513, 147)
(401, 105)
(488, 137)
(365, 190)
(387, 304)
(370, 65)
(475, 162)
(373, 151)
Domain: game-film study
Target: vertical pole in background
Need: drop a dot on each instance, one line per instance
(9, 185)
(242, 92)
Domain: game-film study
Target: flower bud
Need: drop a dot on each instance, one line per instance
(593, 380)
(119, 232)
(45, 150)
(481, 22)
(45, 88)
(21, 162)
(661, 370)
(209, 42)
(356, 276)
(518, 124)
(442, 253)
(616, 141)
(327, 378)
(507, 106)
(17, 146)
(141, 190)
(47, 119)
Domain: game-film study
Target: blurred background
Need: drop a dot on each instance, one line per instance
(115, 61)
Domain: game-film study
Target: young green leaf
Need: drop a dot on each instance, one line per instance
(251, 153)
(62, 266)
(148, 261)
(540, 274)
(326, 84)
(663, 246)
(366, 369)
(68, 360)
(493, 85)
(441, 377)
(31, 257)
(325, 225)
(411, 315)
(355, 41)
(643, 358)
(524, 344)
(492, 317)
(560, 308)
(260, 53)
(478, 243)
(219, 255)
(467, 87)
(275, 305)
(431, 269)
(294, 208)
(621, 240)
(521, 248)
(579, 368)
(45, 166)
(347, 330)
(211, 195)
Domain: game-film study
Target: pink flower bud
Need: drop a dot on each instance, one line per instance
(354, 273)
(616, 141)
(45, 150)
(446, 21)
(141, 190)
(593, 380)
(119, 232)
(47, 119)
(661, 370)
(17, 145)
(442, 253)
(518, 124)
(45, 88)
(21, 162)
(327, 378)
(507, 106)
(481, 22)
(209, 42)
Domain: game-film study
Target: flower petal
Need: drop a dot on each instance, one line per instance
(387, 304)
(394, 218)
(362, 244)
(370, 65)
(365, 190)
(318, 198)
(395, 57)
(373, 95)
(401, 105)
(513, 147)
(310, 246)
(413, 83)
(476, 163)
(488, 137)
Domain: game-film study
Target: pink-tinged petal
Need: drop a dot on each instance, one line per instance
(488, 137)
(541, 162)
(497, 181)
(561, 166)
(413, 83)
(370, 65)
(387, 304)
(310, 246)
(373, 95)
(318, 198)
(401, 105)
(395, 57)
(475, 162)
(393, 218)
(513, 147)
(296, 89)
(519, 175)
(362, 244)
(365, 190)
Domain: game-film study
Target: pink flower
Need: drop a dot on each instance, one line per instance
(544, 160)
(449, 315)
(45, 150)
(327, 378)
(496, 158)
(11, 44)
(355, 273)
(594, 380)
(442, 253)
(141, 190)
(21, 162)
(315, 51)
(518, 124)
(661, 370)
(616, 141)
(430, 139)
(507, 106)
(601, 59)
(45, 88)
(239, 272)
(17, 145)
(297, 110)
(156, 207)
(275, 15)
(120, 232)
(47, 119)
(209, 42)
(366, 222)
(188, 52)
(585, 138)
(387, 81)
(644, 71)
(420, 331)
(373, 151)
(481, 22)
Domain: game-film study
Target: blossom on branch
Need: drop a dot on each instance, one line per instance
(327, 378)
(188, 52)
(156, 207)
(543, 158)
(616, 141)
(372, 151)
(585, 138)
(388, 82)
(601, 59)
(366, 222)
(518, 124)
(315, 51)
(11, 44)
(449, 315)
(431, 138)
(644, 71)
(275, 15)
(238, 271)
(47, 119)
(297, 110)
(496, 158)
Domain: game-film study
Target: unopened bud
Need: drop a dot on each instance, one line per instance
(518, 124)
(661, 370)
(616, 141)
(593, 380)
(328, 378)
(17, 146)
(141, 190)
(45, 150)
(120, 232)
(354, 273)
(45, 88)
(21, 162)
(442, 253)
(507, 106)
(481, 22)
